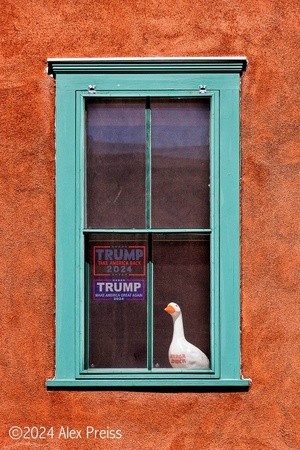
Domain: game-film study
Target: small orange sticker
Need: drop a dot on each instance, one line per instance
(178, 358)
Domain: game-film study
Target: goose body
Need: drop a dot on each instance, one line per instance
(183, 354)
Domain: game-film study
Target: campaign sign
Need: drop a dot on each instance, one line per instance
(119, 290)
(119, 272)
(120, 260)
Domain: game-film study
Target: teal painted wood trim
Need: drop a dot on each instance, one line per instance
(148, 161)
(146, 230)
(150, 311)
(154, 382)
(145, 85)
(147, 65)
(144, 373)
(229, 235)
(81, 330)
(214, 235)
(65, 234)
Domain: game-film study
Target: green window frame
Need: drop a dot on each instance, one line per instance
(77, 80)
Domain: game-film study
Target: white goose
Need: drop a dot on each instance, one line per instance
(183, 354)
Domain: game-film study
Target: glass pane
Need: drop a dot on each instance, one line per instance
(116, 268)
(180, 163)
(181, 275)
(115, 178)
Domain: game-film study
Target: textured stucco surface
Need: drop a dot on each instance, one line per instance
(267, 32)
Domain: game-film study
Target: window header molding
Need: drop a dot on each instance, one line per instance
(226, 64)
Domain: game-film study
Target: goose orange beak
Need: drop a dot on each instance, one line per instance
(169, 309)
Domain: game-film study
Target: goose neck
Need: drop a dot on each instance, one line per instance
(178, 327)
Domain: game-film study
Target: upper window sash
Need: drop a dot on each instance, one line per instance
(213, 97)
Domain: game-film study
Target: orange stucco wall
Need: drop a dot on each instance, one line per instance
(266, 417)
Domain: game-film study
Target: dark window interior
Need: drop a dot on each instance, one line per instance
(146, 158)
(118, 327)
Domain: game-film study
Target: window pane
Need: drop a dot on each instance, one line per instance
(180, 163)
(115, 178)
(116, 267)
(181, 275)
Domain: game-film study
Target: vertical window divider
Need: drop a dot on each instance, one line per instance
(150, 305)
(148, 162)
(148, 226)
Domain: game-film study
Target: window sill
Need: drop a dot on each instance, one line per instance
(135, 384)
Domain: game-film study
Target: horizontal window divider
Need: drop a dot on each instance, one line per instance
(152, 230)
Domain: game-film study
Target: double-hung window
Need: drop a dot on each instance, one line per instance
(147, 155)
